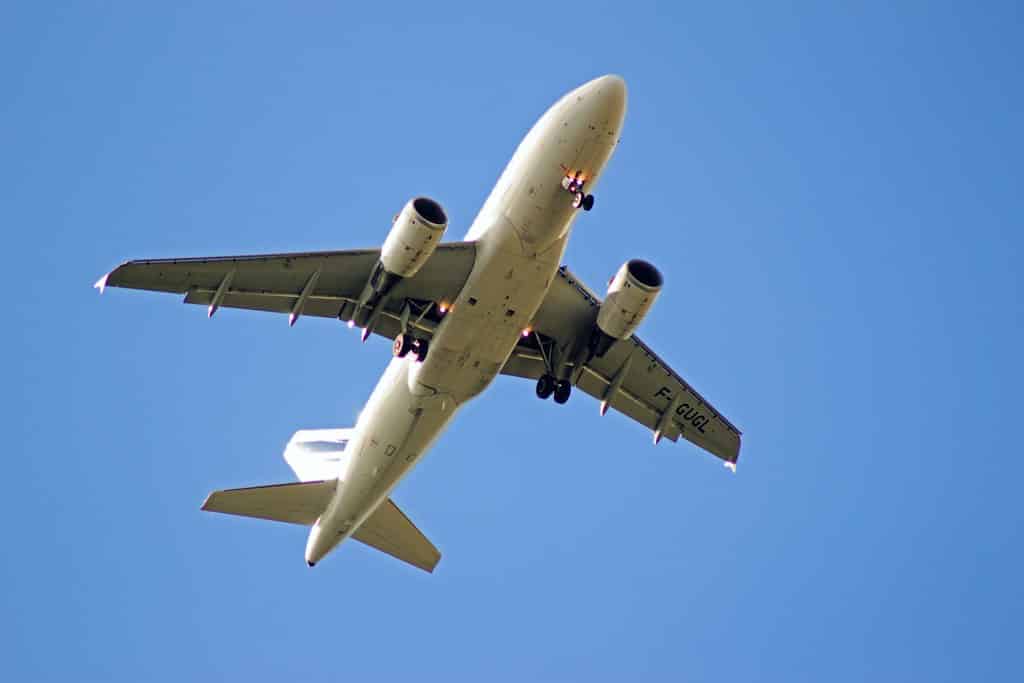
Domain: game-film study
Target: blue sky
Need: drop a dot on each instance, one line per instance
(832, 192)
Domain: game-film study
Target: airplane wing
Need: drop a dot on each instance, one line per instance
(309, 283)
(630, 377)
(387, 529)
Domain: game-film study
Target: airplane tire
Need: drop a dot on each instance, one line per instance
(562, 391)
(402, 346)
(577, 200)
(545, 386)
(421, 350)
(588, 202)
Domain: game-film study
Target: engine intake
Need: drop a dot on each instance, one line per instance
(631, 293)
(417, 230)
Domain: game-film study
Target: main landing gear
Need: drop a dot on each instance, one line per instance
(573, 183)
(404, 343)
(559, 388)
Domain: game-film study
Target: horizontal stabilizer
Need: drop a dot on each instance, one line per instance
(387, 529)
(298, 503)
(390, 531)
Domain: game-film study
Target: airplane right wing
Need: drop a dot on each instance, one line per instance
(319, 283)
(630, 377)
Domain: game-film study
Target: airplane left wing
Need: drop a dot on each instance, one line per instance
(629, 377)
(309, 283)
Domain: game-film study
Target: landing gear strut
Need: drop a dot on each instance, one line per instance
(573, 183)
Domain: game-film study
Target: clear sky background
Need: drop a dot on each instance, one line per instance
(832, 192)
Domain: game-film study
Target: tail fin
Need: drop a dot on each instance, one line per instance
(317, 454)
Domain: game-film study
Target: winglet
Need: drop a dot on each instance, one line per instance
(101, 284)
(731, 466)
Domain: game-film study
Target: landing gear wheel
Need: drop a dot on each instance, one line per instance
(545, 386)
(578, 199)
(402, 346)
(421, 349)
(588, 202)
(562, 391)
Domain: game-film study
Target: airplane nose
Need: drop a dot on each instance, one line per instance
(608, 93)
(611, 85)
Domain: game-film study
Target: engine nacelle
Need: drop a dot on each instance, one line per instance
(414, 236)
(631, 293)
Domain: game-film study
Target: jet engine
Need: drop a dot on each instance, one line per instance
(631, 293)
(416, 232)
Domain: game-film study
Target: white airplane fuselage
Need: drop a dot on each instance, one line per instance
(520, 234)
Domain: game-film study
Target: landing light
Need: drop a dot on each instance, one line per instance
(443, 307)
(527, 331)
(351, 324)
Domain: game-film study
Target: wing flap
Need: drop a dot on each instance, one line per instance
(295, 503)
(318, 306)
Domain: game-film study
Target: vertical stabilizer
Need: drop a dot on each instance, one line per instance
(317, 454)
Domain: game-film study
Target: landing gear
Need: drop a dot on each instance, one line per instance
(421, 349)
(573, 183)
(406, 343)
(403, 345)
(562, 391)
(545, 386)
(548, 386)
(583, 201)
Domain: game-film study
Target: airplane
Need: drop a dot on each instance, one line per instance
(459, 314)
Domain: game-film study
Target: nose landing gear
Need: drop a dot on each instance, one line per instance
(404, 343)
(573, 183)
